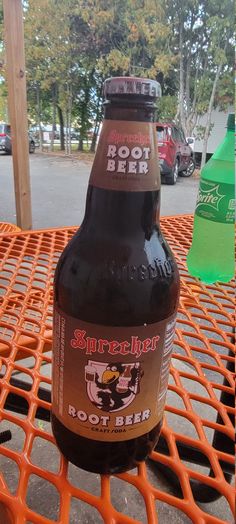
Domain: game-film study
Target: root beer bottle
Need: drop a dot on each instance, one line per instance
(116, 293)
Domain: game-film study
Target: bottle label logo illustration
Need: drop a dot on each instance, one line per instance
(216, 201)
(112, 386)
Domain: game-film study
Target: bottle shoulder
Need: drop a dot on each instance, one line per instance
(98, 251)
(217, 170)
(221, 166)
(225, 150)
(117, 281)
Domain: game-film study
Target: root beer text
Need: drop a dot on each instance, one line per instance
(92, 418)
(137, 163)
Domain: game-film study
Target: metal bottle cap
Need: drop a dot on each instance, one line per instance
(231, 122)
(131, 86)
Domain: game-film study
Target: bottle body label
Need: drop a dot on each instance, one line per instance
(216, 202)
(127, 157)
(110, 383)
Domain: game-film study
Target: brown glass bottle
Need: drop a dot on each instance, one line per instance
(118, 270)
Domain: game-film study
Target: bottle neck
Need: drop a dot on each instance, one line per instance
(125, 214)
(124, 186)
(129, 111)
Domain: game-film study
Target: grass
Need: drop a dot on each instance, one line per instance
(84, 156)
(74, 147)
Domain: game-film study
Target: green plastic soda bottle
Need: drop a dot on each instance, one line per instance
(211, 256)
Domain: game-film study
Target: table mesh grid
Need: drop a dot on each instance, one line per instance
(203, 352)
(7, 227)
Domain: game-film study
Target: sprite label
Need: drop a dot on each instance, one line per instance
(216, 201)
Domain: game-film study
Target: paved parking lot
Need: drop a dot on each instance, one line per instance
(59, 187)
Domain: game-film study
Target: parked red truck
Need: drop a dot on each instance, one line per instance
(175, 154)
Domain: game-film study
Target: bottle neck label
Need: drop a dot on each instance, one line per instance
(216, 201)
(126, 158)
(110, 383)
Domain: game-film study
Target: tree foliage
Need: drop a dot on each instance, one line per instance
(202, 37)
(72, 45)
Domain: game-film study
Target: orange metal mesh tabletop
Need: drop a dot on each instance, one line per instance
(7, 227)
(194, 459)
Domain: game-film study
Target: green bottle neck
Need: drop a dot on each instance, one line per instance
(225, 151)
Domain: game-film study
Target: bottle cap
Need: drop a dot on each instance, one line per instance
(231, 122)
(131, 86)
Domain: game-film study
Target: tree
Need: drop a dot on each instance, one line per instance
(72, 45)
(47, 54)
(3, 103)
(140, 44)
(220, 28)
(126, 37)
(202, 40)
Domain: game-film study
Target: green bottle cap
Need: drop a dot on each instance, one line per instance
(231, 122)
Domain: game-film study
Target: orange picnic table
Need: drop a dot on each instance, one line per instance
(193, 463)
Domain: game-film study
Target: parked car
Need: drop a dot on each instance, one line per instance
(175, 153)
(5, 140)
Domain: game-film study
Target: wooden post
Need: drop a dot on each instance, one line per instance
(16, 78)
